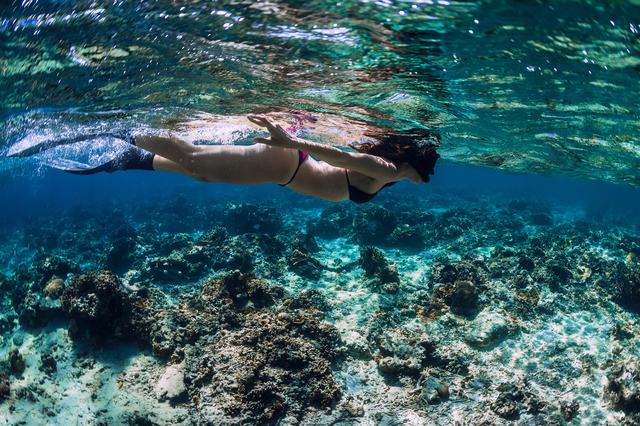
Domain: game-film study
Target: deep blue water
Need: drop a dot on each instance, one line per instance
(58, 192)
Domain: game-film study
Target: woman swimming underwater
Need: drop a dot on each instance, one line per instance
(282, 158)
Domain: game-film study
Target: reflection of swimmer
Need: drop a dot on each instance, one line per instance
(283, 159)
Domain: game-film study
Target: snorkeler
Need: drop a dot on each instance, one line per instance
(282, 158)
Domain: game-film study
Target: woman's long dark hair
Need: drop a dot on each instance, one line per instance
(403, 148)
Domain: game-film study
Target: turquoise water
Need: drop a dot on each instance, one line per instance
(512, 278)
(549, 87)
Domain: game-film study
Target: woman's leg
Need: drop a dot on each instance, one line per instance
(161, 164)
(241, 165)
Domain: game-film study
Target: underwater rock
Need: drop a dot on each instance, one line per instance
(474, 270)
(171, 385)
(240, 289)
(48, 363)
(624, 285)
(304, 264)
(372, 260)
(623, 387)
(170, 269)
(98, 301)
(195, 255)
(528, 297)
(120, 255)
(434, 391)
(310, 299)
(16, 361)
(569, 409)
(18, 339)
(526, 263)
(175, 242)
(505, 407)
(373, 225)
(277, 366)
(486, 329)
(357, 346)
(386, 279)
(214, 239)
(5, 386)
(306, 243)
(125, 231)
(54, 289)
(233, 256)
(465, 295)
(57, 266)
(461, 297)
(353, 408)
(406, 237)
(246, 218)
(403, 354)
(541, 219)
(332, 223)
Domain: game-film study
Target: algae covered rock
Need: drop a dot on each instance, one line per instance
(98, 301)
(332, 223)
(54, 289)
(373, 225)
(48, 363)
(55, 266)
(244, 218)
(486, 329)
(406, 236)
(403, 354)
(275, 365)
(461, 297)
(241, 289)
(5, 386)
(16, 361)
(623, 387)
(385, 277)
(357, 345)
(171, 385)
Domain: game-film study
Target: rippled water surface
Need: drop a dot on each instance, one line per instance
(544, 86)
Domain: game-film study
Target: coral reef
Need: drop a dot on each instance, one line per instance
(54, 289)
(5, 386)
(16, 361)
(373, 225)
(623, 387)
(268, 367)
(98, 302)
(501, 310)
(384, 277)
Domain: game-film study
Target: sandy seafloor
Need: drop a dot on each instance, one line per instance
(479, 299)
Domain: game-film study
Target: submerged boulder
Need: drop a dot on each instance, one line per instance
(98, 301)
(171, 385)
(486, 329)
(623, 386)
(5, 386)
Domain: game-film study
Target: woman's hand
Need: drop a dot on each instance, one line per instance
(279, 136)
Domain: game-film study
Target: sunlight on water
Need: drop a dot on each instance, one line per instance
(490, 77)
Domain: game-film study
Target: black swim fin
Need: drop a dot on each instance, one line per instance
(77, 168)
(131, 159)
(28, 147)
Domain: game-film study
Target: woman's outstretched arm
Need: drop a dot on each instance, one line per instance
(369, 165)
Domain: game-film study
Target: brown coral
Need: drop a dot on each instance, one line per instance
(16, 360)
(54, 289)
